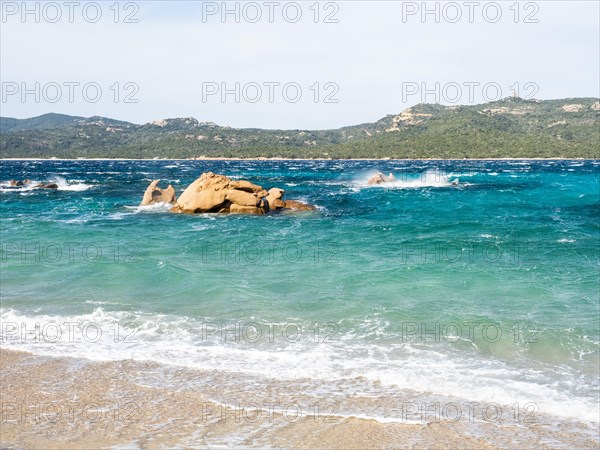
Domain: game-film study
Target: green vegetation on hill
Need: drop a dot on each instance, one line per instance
(509, 128)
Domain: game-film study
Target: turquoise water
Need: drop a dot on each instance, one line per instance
(488, 291)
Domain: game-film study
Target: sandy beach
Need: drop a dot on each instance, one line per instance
(70, 403)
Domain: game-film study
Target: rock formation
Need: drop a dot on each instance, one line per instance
(155, 194)
(276, 202)
(379, 178)
(274, 199)
(213, 193)
(20, 183)
(27, 182)
(205, 194)
(298, 206)
(47, 186)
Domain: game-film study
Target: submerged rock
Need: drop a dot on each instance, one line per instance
(240, 209)
(298, 206)
(19, 183)
(27, 182)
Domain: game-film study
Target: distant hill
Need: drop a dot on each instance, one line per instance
(51, 120)
(509, 128)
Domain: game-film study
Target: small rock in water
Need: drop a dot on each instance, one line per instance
(379, 178)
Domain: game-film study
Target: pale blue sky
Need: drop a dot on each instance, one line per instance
(374, 58)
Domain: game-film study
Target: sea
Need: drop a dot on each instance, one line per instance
(459, 283)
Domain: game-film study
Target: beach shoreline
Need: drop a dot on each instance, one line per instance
(72, 403)
(69, 403)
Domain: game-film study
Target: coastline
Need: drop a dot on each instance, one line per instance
(298, 159)
(75, 403)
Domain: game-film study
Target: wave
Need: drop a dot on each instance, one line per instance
(205, 343)
(429, 178)
(62, 184)
(155, 208)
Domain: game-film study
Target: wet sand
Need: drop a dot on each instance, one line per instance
(68, 403)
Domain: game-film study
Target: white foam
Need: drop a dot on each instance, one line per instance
(429, 178)
(62, 184)
(155, 208)
(429, 369)
(78, 220)
(383, 419)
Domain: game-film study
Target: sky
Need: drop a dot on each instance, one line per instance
(289, 65)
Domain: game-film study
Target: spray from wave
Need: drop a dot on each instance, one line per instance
(64, 186)
(155, 208)
(61, 183)
(429, 178)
